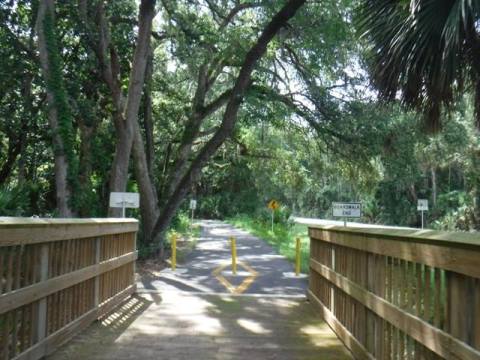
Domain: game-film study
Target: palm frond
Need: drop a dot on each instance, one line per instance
(420, 50)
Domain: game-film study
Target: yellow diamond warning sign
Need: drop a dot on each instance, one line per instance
(273, 204)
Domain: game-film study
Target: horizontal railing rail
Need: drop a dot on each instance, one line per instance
(398, 293)
(57, 276)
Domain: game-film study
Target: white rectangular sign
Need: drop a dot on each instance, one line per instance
(347, 210)
(422, 205)
(193, 204)
(124, 200)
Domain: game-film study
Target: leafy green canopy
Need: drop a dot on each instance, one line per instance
(310, 131)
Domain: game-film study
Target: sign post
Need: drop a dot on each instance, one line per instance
(273, 205)
(124, 200)
(347, 210)
(193, 206)
(422, 206)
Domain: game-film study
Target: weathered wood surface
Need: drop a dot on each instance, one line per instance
(398, 294)
(57, 276)
(18, 231)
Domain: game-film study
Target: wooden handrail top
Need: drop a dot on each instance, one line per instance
(17, 231)
(25, 222)
(415, 235)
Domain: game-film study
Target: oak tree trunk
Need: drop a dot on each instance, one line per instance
(126, 128)
(229, 118)
(434, 185)
(63, 193)
(147, 112)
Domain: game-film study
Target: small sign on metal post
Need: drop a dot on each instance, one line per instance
(273, 205)
(422, 206)
(347, 210)
(124, 200)
(193, 206)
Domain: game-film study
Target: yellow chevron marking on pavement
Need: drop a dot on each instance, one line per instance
(228, 285)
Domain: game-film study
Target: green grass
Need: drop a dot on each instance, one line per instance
(282, 238)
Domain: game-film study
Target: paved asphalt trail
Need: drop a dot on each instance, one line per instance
(275, 275)
(192, 313)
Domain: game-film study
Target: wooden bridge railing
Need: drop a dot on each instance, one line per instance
(398, 294)
(58, 276)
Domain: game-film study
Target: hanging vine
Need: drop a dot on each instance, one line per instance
(56, 86)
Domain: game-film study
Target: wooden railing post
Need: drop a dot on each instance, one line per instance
(332, 290)
(134, 263)
(41, 330)
(96, 295)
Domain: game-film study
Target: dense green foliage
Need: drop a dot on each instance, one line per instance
(311, 128)
(403, 165)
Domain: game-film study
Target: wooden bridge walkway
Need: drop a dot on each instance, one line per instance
(387, 293)
(191, 314)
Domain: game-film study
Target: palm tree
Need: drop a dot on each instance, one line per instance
(425, 52)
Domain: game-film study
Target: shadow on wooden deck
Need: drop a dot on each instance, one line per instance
(178, 325)
(103, 333)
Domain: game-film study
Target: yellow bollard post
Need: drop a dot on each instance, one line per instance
(234, 255)
(297, 257)
(174, 251)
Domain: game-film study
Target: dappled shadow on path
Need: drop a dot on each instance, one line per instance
(181, 325)
(210, 326)
(104, 333)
